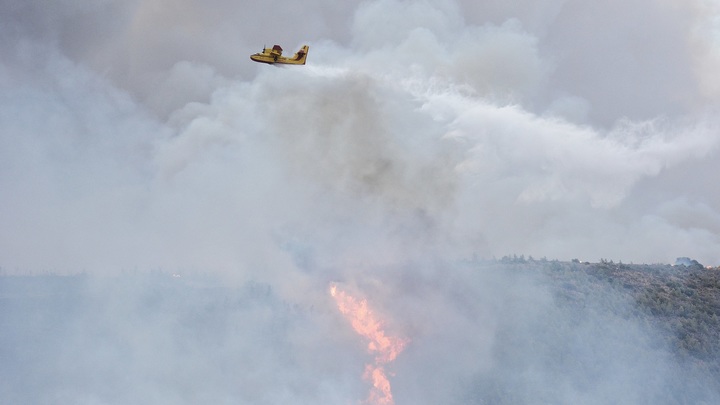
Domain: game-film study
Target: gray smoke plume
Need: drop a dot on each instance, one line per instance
(138, 136)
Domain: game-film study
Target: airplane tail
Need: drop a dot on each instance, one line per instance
(301, 55)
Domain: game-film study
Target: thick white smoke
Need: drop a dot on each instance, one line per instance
(138, 136)
(423, 117)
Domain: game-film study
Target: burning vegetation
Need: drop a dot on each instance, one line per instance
(367, 324)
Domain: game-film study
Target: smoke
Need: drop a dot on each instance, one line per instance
(138, 136)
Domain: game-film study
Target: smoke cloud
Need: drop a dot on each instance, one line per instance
(138, 136)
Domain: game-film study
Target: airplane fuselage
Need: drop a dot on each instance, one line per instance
(274, 55)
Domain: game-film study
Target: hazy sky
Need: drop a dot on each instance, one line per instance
(138, 135)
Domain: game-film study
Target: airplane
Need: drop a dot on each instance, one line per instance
(274, 55)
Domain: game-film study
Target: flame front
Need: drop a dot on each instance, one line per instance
(385, 348)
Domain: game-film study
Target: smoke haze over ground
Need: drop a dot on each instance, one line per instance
(138, 136)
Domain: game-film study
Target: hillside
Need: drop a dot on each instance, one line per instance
(529, 332)
(682, 302)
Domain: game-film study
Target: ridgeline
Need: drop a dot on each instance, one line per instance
(682, 301)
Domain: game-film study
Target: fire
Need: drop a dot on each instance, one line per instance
(380, 393)
(385, 348)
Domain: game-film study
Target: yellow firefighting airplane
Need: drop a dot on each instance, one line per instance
(274, 55)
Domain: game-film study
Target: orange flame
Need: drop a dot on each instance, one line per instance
(385, 348)
(380, 393)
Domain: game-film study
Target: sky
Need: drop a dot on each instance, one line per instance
(138, 136)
